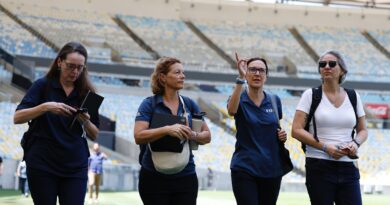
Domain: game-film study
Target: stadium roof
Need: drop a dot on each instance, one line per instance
(378, 4)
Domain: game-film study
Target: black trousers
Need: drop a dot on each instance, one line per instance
(330, 182)
(155, 189)
(250, 190)
(45, 188)
(22, 185)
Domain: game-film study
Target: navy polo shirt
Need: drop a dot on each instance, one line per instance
(58, 149)
(257, 150)
(145, 113)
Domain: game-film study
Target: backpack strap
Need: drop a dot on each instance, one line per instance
(188, 104)
(315, 101)
(352, 97)
(275, 107)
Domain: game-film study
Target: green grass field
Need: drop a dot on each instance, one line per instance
(11, 197)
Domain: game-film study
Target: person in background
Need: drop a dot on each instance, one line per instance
(95, 172)
(21, 172)
(332, 175)
(57, 160)
(256, 170)
(210, 178)
(1, 172)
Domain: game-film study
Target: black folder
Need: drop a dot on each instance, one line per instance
(166, 143)
(91, 102)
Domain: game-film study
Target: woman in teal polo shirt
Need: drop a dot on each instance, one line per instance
(255, 167)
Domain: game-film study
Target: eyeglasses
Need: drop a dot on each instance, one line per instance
(332, 64)
(254, 70)
(72, 67)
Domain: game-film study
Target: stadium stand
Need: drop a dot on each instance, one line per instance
(4, 74)
(96, 30)
(170, 34)
(19, 41)
(170, 37)
(366, 65)
(269, 41)
(10, 134)
(383, 36)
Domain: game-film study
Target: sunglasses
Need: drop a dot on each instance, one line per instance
(332, 64)
(254, 70)
(72, 67)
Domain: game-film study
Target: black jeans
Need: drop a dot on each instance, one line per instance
(155, 189)
(45, 188)
(332, 181)
(22, 185)
(250, 190)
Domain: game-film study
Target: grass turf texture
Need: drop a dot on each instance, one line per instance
(11, 197)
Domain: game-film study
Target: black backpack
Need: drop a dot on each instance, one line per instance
(316, 99)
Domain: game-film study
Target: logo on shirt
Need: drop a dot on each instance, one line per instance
(269, 110)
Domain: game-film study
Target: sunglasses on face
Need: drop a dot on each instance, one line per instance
(72, 67)
(332, 64)
(254, 70)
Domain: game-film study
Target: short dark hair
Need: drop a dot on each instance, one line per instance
(258, 59)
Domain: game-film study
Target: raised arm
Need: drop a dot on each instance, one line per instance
(234, 99)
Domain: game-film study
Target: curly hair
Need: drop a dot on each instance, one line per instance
(162, 67)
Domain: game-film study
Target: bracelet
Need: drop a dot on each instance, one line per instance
(325, 148)
(356, 143)
(240, 81)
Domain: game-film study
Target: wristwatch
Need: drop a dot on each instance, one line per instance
(240, 81)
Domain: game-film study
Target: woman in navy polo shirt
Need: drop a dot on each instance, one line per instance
(57, 162)
(155, 187)
(255, 167)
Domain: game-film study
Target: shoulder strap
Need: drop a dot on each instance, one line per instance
(275, 107)
(187, 102)
(315, 101)
(352, 97)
